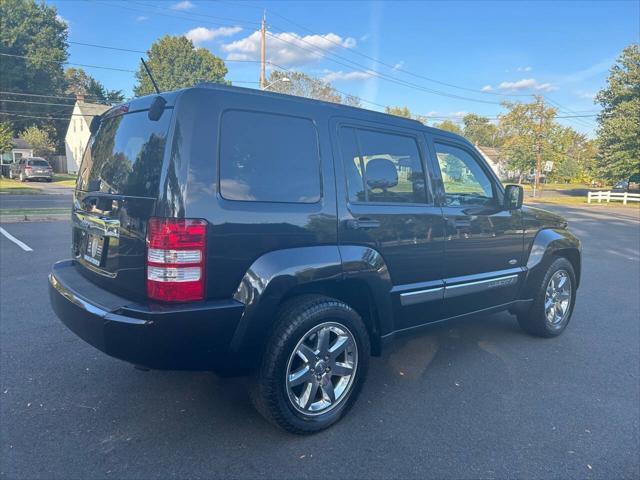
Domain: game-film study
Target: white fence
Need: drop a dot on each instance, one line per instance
(608, 196)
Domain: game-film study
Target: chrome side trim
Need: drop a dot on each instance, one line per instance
(420, 296)
(479, 286)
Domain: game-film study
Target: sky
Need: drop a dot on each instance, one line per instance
(441, 59)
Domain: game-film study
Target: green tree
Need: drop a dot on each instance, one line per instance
(302, 85)
(449, 126)
(6, 135)
(78, 82)
(40, 140)
(522, 129)
(399, 111)
(619, 122)
(34, 42)
(479, 130)
(175, 63)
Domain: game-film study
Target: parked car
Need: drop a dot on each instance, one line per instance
(621, 185)
(31, 168)
(634, 183)
(251, 232)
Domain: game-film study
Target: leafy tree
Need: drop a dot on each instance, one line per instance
(175, 63)
(352, 101)
(479, 130)
(40, 140)
(519, 130)
(399, 111)
(78, 82)
(619, 122)
(6, 135)
(31, 30)
(449, 126)
(302, 85)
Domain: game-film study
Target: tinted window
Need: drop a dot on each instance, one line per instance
(125, 155)
(268, 158)
(465, 182)
(382, 167)
(38, 163)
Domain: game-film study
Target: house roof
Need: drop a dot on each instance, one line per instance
(92, 109)
(20, 144)
(491, 152)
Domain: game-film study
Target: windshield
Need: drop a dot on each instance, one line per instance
(38, 163)
(125, 155)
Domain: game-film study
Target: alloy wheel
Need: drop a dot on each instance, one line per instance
(557, 299)
(322, 368)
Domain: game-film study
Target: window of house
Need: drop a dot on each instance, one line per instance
(268, 158)
(382, 167)
(465, 182)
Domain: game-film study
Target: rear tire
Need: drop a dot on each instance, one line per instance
(553, 303)
(314, 365)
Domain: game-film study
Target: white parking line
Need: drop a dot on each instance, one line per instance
(22, 245)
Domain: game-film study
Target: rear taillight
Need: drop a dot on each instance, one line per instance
(175, 259)
(27, 169)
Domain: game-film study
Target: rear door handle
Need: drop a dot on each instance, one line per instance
(362, 224)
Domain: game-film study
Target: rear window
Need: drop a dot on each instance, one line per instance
(125, 155)
(268, 158)
(38, 163)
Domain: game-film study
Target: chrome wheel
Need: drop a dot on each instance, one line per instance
(321, 369)
(557, 299)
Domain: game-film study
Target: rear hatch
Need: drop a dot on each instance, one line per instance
(116, 194)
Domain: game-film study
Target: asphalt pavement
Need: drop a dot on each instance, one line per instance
(467, 399)
(35, 201)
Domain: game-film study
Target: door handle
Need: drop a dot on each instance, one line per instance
(362, 224)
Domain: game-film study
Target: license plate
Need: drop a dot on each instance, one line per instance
(94, 249)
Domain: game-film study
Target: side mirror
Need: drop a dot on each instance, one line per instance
(513, 195)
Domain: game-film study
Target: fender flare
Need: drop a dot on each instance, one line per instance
(274, 274)
(549, 242)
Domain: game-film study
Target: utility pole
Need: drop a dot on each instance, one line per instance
(539, 148)
(263, 80)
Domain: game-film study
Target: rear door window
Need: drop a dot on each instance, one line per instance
(382, 167)
(267, 157)
(38, 163)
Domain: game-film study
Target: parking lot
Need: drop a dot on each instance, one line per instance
(468, 399)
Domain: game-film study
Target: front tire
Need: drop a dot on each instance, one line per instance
(553, 304)
(315, 363)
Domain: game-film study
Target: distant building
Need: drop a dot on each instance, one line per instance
(495, 161)
(19, 149)
(78, 132)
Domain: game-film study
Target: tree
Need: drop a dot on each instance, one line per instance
(479, 131)
(399, 111)
(78, 82)
(175, 63)
(522, 129)
(37, 41)
(619, 121)
(40, 140)
(6, 135)
(302, 85)
(449, 126)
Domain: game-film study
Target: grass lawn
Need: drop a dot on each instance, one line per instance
(33, 211)
(15, 187)
(64, 179)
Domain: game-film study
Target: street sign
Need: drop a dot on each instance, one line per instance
(548, 166)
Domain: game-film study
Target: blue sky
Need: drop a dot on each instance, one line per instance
(485, 52)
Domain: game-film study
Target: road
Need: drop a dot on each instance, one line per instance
(468, 399)
(35, 201)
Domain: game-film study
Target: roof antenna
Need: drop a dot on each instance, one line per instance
(146, 67)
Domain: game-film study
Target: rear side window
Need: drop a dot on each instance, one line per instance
(268, 158)
(38, 163)
(382, 167)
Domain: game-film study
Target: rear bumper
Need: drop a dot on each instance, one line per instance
(38, 175)
(185, 337)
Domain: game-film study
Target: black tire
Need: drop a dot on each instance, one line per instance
(535, 321)
(295, 319)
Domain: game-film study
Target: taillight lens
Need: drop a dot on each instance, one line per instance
(175, 259)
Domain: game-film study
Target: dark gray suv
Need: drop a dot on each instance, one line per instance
(221, 228)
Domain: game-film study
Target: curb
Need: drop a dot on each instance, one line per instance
(33, 218)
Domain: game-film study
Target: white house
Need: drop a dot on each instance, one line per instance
(78, 132)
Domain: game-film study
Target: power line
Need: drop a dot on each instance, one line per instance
(33, 116)
(52, 113)
(69, 63)
(37, 103)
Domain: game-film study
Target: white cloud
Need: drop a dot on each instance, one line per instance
(524, 84)
(199, 35)
(365, 37)
(287, 48)
(60, 18)
(340, 75)
(398, 66)
(585, 95)
(141, 18)
(524, 69)
(184, 5)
